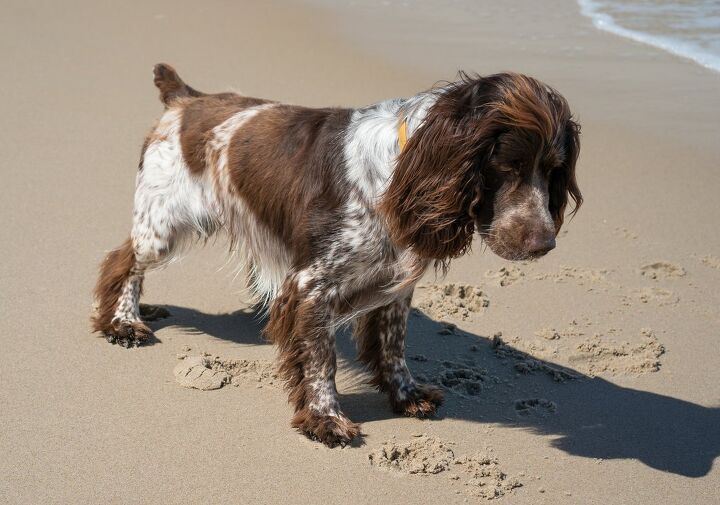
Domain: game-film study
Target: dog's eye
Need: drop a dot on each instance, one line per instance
(510, 168)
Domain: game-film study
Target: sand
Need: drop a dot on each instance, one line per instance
(556, 383)
(481, 475)
(442, 301)
(205, 373)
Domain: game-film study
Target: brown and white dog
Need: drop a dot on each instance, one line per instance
(339, 212)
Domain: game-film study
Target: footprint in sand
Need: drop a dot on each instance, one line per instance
(658, 296)
(711, 261)
(196, 372)
(505, 276)
(205, 373)
(573, 330)
(599, 355)
(480, 475)
(244, 371)
(625, 233)
(459, 301)
(580, 275)
(464, 380)
(661, 270)
(525, 364)
(535, 407)
(548, 334)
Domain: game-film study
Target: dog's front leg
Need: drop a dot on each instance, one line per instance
(380, 337)
(301, 325)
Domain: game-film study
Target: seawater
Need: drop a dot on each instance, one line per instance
(689, 28)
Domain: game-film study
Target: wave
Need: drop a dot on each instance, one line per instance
(682, 48)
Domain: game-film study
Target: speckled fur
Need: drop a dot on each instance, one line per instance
(380, 335)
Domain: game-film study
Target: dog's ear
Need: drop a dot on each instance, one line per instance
(562, 179)
(435, 191)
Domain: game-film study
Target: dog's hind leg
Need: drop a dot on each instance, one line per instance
(171, 206)
(380, 337)
(117, 293)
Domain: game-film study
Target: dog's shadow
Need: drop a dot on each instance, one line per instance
(591, 417)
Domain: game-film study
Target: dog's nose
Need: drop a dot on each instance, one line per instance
(540, 244)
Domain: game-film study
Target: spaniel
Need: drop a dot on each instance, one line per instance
(339, 212)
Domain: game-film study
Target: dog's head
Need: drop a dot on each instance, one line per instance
(494, 154)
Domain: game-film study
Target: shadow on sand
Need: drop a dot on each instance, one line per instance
(594, 418)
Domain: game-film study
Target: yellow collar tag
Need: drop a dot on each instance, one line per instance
(402, 134)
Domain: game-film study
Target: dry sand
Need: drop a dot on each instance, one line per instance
(573, 401)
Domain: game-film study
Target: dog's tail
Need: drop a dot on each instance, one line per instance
(170, 85)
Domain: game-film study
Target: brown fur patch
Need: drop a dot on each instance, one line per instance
(114, 271)
(367, 330)
(297, 151)
(563, 182)
(293, 325)
(200, 116)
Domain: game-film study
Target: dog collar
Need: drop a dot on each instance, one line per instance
(402, 134)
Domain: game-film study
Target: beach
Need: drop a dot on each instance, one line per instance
(591, 376)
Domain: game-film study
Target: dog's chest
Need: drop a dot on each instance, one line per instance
(366, 264)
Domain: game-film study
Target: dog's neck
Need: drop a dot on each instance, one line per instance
(371, 141)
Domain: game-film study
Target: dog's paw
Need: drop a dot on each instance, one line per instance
(331, 430)
(153, 312)
(128, 333)
(422, 401)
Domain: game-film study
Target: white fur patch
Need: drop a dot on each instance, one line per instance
(170, 203)
(260, 251)
(371, 141)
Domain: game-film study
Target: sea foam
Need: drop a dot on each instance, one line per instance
(690, 30)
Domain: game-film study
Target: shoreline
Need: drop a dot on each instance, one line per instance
(682, 49)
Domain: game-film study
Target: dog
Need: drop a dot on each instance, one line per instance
(339, 212)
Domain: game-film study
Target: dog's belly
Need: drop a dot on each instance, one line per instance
(266, 259)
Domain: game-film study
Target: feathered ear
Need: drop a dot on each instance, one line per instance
(562, 179)
(435, 190)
